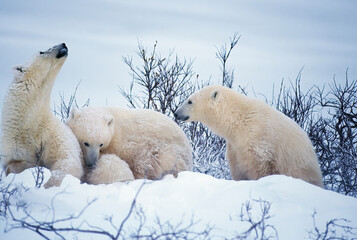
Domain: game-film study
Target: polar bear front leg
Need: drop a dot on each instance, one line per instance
(238, 172)
(61, 154)
(61, 168)
(55, 179)
(17, 166)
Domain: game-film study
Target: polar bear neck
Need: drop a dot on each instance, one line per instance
(26, 103)
(230, 116)
(219, 122)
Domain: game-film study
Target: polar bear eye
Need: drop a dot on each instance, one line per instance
(86, 144)
(101, 145)
(189, 102)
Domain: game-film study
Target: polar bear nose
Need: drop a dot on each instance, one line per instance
(91, 156)
(180, 116)
(62, 51)
(90, 162)
(57, 51)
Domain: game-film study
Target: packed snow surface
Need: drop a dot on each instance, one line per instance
(192, 199)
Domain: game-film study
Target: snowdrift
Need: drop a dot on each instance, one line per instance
(194, 204)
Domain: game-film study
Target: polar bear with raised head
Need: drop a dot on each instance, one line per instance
(31, 134)
(260, 140)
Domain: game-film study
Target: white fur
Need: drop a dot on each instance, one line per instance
(109, 169)
(151, 143)
(32, 135)
(260, 140)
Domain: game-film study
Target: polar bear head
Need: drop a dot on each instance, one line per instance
(212, 106)
(94, 129)
(201, 106)
(43, 70)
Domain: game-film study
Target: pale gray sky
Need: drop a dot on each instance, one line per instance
(278, 38)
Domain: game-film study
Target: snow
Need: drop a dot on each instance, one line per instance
(189, 197)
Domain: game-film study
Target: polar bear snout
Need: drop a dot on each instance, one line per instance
(57, 51)
(62, 51)
(180, 115)
(91, 157)
(90, 162)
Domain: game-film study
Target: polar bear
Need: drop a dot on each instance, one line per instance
(260, 140)
(108, 169)
(31, 134)
(151, 143)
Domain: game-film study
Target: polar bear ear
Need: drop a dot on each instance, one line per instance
(109, 119)
(74, 113)
(18, 71)
(214, 94)
(110, 122)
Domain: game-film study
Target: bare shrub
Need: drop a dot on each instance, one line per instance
(64, 109)
(335, 138)
(160, 83)
(296, 104)
(258, 223)
(335, 229)
(223, 54)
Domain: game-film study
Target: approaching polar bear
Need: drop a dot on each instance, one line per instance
(260, 140)
(152, 144)
(31, 134)
(108, 169)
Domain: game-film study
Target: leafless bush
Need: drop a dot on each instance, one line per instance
(296, 104)
(8, 191)
(38, 175)
(65, 107)
(208, 151)
(258, 226)
(223, 54)
(336, 142)
(335, 229)
(161, 83)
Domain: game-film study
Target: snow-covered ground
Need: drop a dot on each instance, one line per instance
(188, 204)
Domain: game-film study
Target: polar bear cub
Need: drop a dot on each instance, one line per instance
(260, 140)
(149, 142)
(31, 134)
(108, 169)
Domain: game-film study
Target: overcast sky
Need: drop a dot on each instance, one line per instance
(278, 38)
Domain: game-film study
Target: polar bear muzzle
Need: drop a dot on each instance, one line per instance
(91, 156)
(58, 51)
(180, 115)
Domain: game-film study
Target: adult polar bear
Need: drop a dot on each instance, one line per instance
(260, 140)
(152, 144)
(31, 134)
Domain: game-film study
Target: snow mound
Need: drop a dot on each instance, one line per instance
(192, 202)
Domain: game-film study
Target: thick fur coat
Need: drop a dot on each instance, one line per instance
(31, 134)
(149, 142)
(260, 140)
